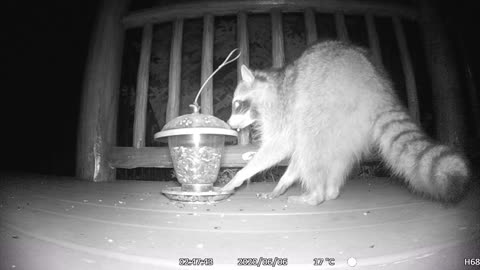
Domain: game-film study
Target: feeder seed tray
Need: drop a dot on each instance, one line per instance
(176, 194)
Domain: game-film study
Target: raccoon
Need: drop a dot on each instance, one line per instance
(323, 113)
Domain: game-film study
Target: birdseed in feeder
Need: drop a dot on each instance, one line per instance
(196, 165)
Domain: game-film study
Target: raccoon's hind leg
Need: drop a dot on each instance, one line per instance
(328, 188)
(313, 180)
(288, 178)
(336, 177)
(310, 198)
(323, 181)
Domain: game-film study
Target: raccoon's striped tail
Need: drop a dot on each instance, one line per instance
(435, 170)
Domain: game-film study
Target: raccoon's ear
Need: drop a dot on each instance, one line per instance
(247, 75)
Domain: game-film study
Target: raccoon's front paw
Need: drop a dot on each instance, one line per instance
(228, 187)
(235, 182)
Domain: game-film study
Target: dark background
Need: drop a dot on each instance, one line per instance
(44, 47)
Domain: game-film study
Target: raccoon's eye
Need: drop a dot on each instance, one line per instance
(241, 106)
(236, 104)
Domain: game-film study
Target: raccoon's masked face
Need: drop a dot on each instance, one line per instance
(244, 112)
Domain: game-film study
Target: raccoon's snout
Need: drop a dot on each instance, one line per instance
(231, 122)
(238, 121)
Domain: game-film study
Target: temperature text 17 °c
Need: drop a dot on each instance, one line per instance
(323, 261)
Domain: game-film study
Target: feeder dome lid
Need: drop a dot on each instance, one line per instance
(195, 123)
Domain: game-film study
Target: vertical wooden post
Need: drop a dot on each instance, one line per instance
(207, 63)
(472, 88)
(449, 121)
(310, 26)
(174, 77)
(142, 88)
(472, 97)
(278, 52)
(341, 27)
(242, 39)
(407, 69)
(373, 39)
(99, 101)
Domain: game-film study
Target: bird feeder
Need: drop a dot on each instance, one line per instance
(196, 143)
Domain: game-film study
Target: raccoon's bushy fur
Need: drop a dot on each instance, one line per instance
(327, 109)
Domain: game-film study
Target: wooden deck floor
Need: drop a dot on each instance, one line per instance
(61, 223)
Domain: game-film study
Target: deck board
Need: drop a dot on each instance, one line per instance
(63, 223)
